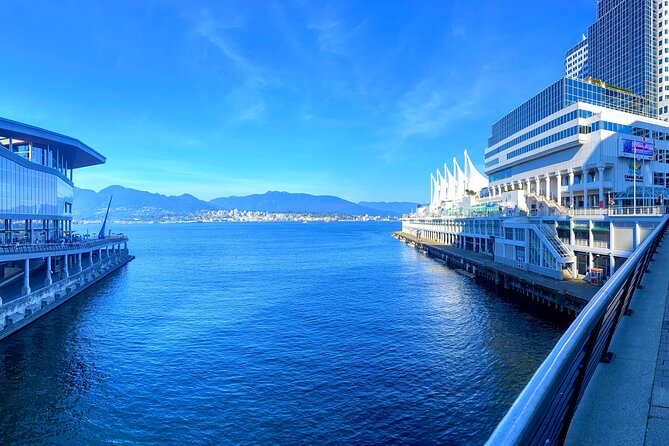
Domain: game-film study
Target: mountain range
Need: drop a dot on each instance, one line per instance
(131, 204)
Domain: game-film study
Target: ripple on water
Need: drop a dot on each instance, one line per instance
(271, 333)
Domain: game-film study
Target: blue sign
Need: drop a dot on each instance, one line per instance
(638, 149)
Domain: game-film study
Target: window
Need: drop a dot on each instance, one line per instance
(508, 233)
(658, 179)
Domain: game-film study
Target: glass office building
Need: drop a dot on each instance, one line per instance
(621, 46)
(614, 80)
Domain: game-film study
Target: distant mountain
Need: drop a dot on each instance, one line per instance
(289, 202)
(399, 207)
(131, 204)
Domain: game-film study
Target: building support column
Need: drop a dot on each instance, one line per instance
(26, 277)
(66, 267)
(548, 186)
(584, 182)
(601, 186)
(571, 188)
(79, 268)
(558, 193)
(572, 235)
(537, 186)
(48, 281)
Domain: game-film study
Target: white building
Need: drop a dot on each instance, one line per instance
(578, 174)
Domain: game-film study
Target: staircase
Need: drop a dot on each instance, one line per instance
(549, 203)
(551, 237)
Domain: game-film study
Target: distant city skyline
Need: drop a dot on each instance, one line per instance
(215, 99)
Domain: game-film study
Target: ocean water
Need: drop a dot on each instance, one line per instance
(320, 333)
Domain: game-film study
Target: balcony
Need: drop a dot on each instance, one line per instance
(32, 250)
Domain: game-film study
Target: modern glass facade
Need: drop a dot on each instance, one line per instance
(621, 47)
(36, 188)
(563, 119)
(561, 94)
(25, 190)
(576, 60)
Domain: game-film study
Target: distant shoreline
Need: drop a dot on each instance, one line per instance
(150, 222)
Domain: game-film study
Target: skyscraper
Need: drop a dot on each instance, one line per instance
(571, 142)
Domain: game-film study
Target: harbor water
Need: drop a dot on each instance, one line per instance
(271, 333)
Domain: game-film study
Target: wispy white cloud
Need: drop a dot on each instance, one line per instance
(246, 98)
(429, 109)
(334, 35)
(330, 36)
(252, 112)
(434, 104)
(215, 32)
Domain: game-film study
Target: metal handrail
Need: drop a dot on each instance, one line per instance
(49, 247)
(543, 411)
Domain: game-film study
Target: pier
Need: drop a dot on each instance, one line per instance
(42, 287)
(567, 296)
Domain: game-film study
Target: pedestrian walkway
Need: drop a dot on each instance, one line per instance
(627, 400)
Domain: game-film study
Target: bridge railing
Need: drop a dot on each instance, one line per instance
(544, 409)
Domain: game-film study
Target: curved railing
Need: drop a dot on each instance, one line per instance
(28, 248)
(542, 412)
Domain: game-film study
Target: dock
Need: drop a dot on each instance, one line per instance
(567, 296)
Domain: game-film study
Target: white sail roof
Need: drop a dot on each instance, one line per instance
(460, 179)
(450, 184)
(475, 180)
(434, 191)
(442, 187)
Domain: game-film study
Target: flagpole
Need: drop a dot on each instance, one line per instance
(634, 179)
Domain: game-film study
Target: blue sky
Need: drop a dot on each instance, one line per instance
(360, 99)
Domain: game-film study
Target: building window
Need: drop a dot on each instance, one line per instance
(658, 179)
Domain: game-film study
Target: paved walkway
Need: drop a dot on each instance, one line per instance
(627, 401)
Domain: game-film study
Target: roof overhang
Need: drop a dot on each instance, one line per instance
(78, 153)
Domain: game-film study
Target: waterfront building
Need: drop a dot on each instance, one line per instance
(42, 261)
(579, 173)
(449, 189)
